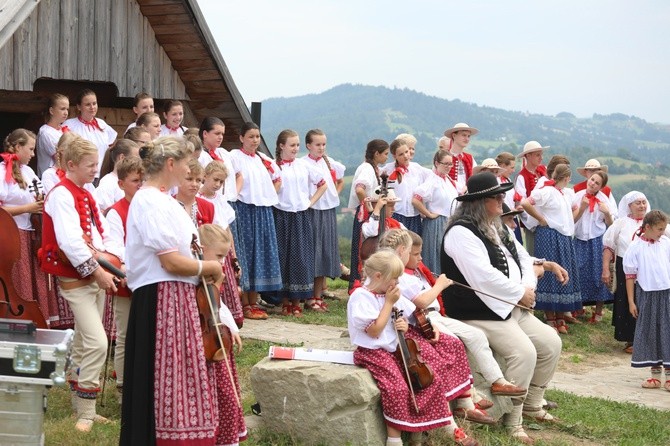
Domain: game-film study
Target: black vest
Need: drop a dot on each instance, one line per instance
(462, 303)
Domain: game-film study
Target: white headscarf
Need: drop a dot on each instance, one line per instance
(629, 198)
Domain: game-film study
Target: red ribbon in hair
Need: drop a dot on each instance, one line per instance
(60, 173)
(65, 129)
(593, 200)
(9, 160)
(399, 170)
(215, 157)
(93, 123)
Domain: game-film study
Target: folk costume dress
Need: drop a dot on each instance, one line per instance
(588, 241)
(554, 242)
(526, 182)
(376, 355)
(256, 245)
(462, 168)
(170, 394)
(294, 225)
(229, 186)
(412, 176)
(324, 212)
(648, 262)
(438, 194)
(47, 140)
(170, 131)
(617, 239)
(230, 294)
(97, 131)
(366, 177)
(30, 282)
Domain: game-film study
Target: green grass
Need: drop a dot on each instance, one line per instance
(586, 421)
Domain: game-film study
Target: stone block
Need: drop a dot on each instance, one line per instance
(319, 403)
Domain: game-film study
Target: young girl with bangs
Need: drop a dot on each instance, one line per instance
(49, 134)
(173, 112)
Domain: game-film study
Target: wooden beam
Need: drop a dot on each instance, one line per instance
(200, 75)
(22, 101)
(165, 9)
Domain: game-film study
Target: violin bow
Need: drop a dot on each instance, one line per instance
(491, 296)
(198, 250)
(396, 314)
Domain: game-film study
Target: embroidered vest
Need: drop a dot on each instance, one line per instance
(530, 178)
(462, 303)
(48, 255)
(121, 207)
(468, 163)
(205, 214)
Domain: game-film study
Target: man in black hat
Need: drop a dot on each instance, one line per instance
(480, 253)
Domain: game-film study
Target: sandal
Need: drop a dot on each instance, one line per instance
(628, 348)
(296, 310)
(321, 303)
(541, 416)
(286, 309)
(570, 319)
(483, 404)
(328, 295)
(561, 327)
(313, 305)
(461, 438)
(596, 317)
(653, 383)
(254, 312)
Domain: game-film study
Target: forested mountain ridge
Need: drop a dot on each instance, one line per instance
(637, 151)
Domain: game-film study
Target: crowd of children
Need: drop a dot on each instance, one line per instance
(268, 229)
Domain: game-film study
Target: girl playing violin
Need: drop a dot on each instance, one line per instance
(216, 243)
(376, 336)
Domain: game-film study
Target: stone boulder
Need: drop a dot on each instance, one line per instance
(319, 403)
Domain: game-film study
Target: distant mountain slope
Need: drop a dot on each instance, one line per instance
(351, 115)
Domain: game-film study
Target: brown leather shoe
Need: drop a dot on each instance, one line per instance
(507, 390)
(484, 404)
(474, 415)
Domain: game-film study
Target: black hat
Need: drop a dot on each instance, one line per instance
(507, 212)
(482, 185)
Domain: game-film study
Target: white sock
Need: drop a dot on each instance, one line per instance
(390, 441)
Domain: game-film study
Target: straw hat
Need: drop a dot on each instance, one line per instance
(592, 164)
(482, 185)
(390, 195)
(530, 147)
(458, 127)
(488, 163)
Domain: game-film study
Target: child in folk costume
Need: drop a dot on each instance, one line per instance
(590, 167)
(93, 129)
(143, 103)
(54, 174)
(507, 163)
(371, 227)
(434, 199)
(258, 179)
(216, 243)
(405, 177)
(22, 196)
(294, 225)
(424, 289)
(459, 138)
(365, 182)
(552, 208)
(108, 191)
(592, 218)
(151, 122)
(531, 172)
(51, 131)
(216, 175)
(130, 174)
(647, 268)
(169, 393)
(72, 223)
(173, 112)
(375, 335)
(324, 215)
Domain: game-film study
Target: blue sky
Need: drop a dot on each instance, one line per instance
(584, 57)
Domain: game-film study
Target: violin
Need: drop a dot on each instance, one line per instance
(418, 374)
(423, 323)
(216, 342)
(12, 306)
(369, 245)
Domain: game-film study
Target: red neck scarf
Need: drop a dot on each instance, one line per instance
(593, 200)
(333, 175)
(213, 154)
(9, 164)
(172, 129)
(552, 183)
(397, 173)
(251, 154)
(92, 124)
(283, 162)
(648, 240)
(315, 158)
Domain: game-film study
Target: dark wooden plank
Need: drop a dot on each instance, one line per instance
(86, 40)
(167, 9)
(102, 40)
(48, 38)
(181, 30)
(200, 75)
(198, 46)
(22, 101)
(188, 55)
(175, 19)
(144, 3)
(69, 36)
(196, 64)
(25, 53)
(135, 42)
(177, 38)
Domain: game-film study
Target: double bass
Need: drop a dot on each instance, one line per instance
(13, 306)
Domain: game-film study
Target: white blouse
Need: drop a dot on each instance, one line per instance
(258, 188)
(101, 138)
(116, 233)
(108, 191)
(330, 198)
(47, 140)
(555, 207)
(364, 177)
(11, 194)
(591, 224)
(619, 235)
(165, 131)
(411, 286)
(415, 175)
(298, 179)
(363, 309)
(229, 186)
(223, 211)
(437, 194)
(650, 261)
(156, 225)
